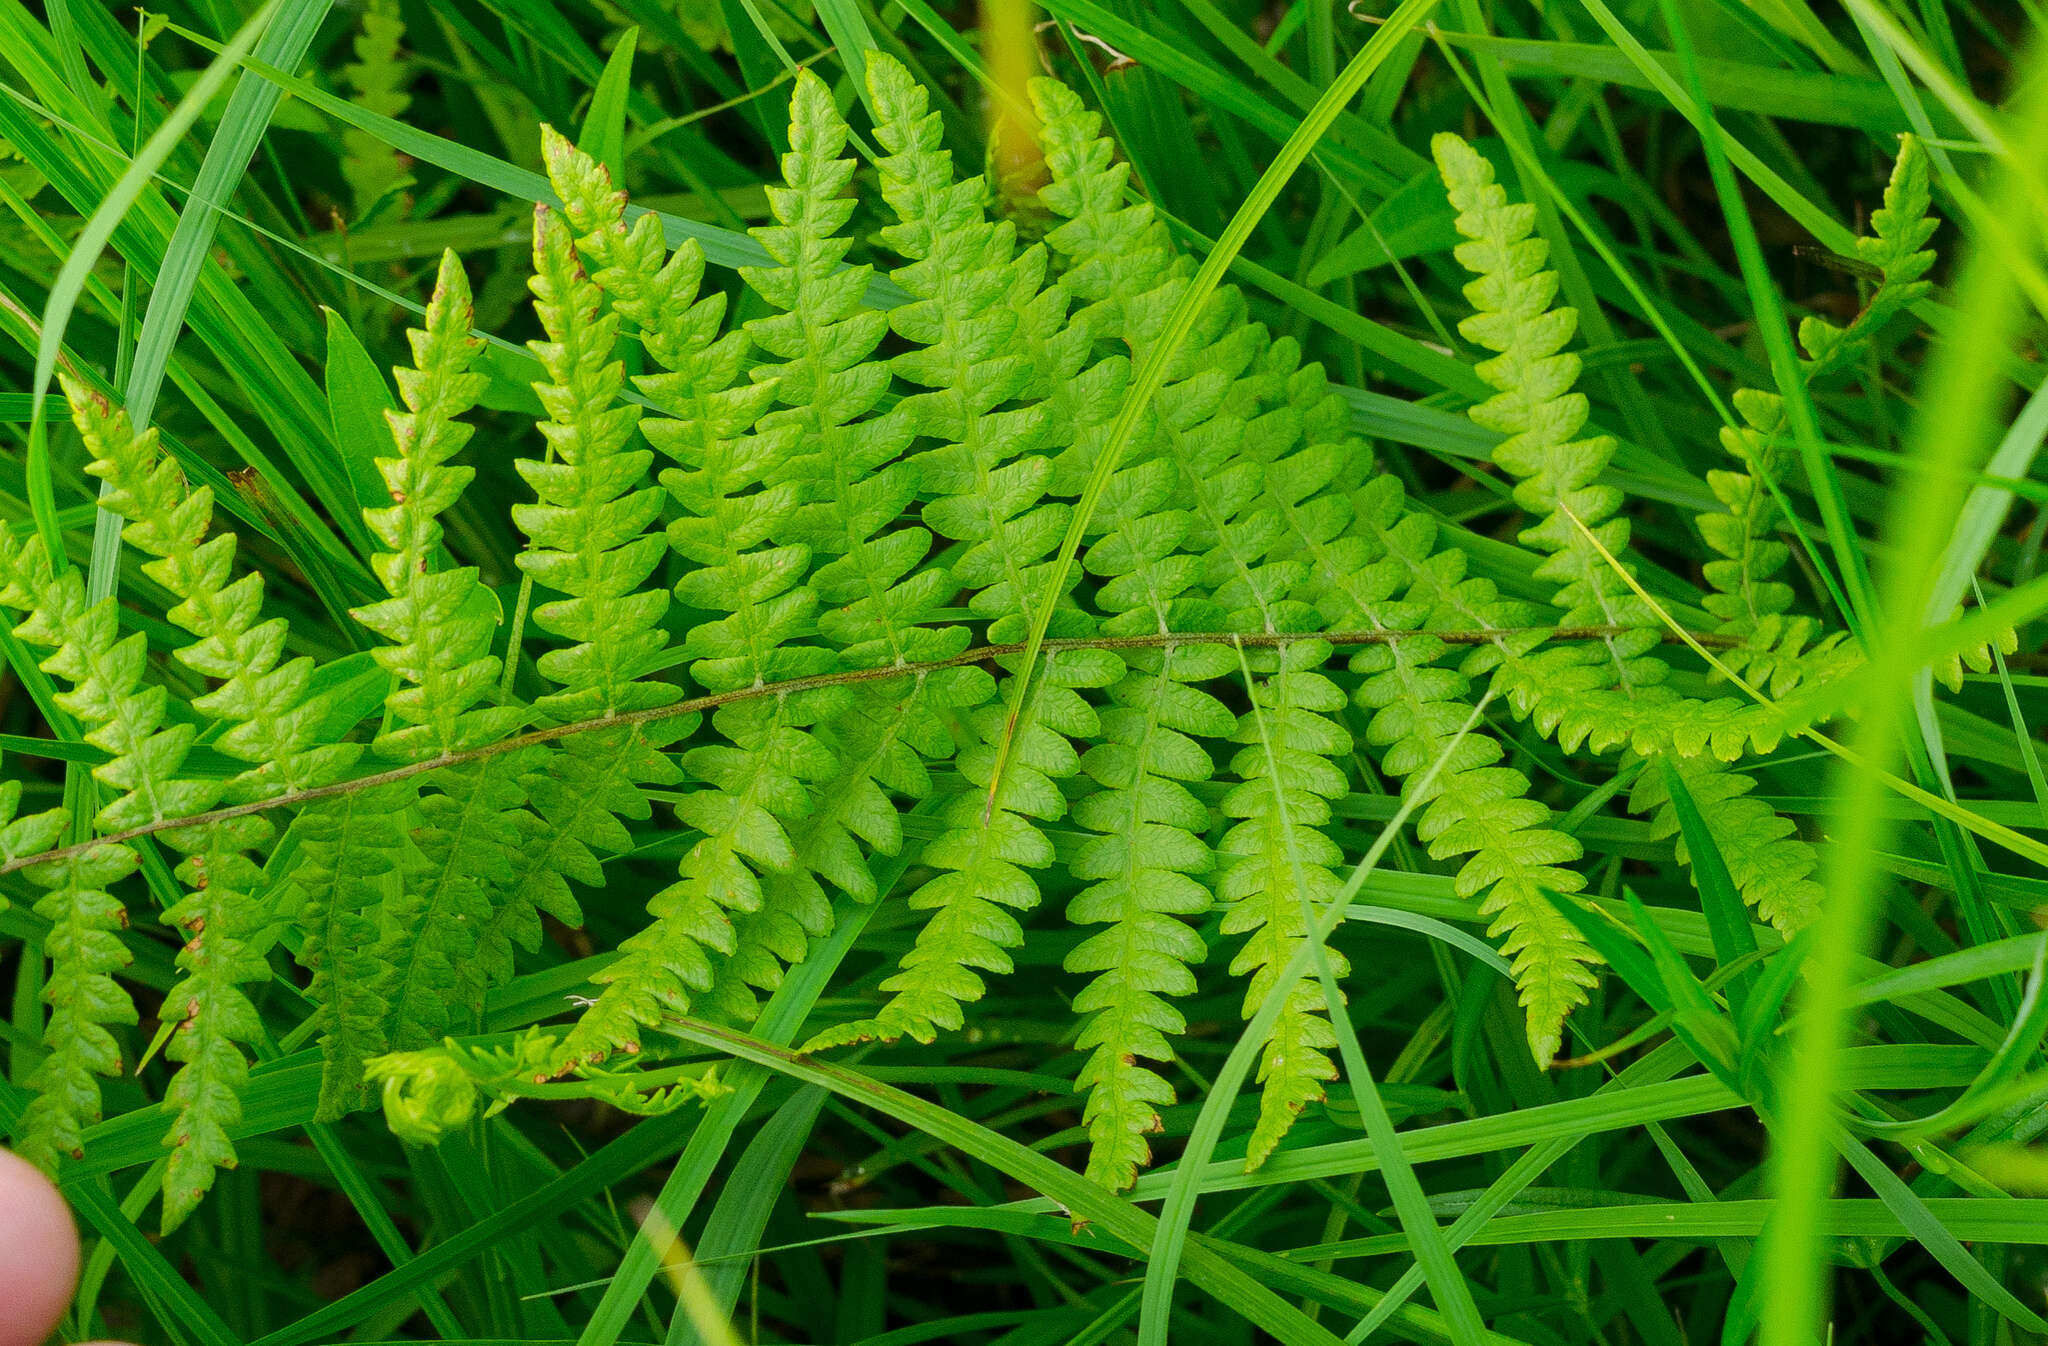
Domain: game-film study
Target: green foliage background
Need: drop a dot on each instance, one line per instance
(1328, 693)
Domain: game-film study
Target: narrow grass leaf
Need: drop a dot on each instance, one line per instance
(604, 125)
(357, 399)
(1727, 918)
(1081, 1199)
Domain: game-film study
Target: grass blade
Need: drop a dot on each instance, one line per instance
(1083, 1200)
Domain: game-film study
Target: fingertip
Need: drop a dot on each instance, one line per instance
(38, 1252)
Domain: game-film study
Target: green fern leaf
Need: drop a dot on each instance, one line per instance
(439, 621)
(1148, 860)
(1556, 474)
(578, 795)
(852, 498)
(1284, 873)
(84, 945)
(372, 169)
(588, 531)
(466, 834)
(218, 913)
(85, 950)
(469, 820)
(1896, 248)
(349, 850)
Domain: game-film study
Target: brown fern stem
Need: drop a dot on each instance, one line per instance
(979, 654)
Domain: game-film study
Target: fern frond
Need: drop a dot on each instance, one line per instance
(820, 342)
(881, 592)
(1115, 250)
(1148, 859)
(1288, 771)
(988, 846)
(1779, 650)
(1598, 697)
(85, 951)
(1079, 388)
(1365, 547)
(1556, 474)
(464, 836)
(438, 620)
(1223, 417)
(1748, 596)
(270, 716)
(729, 510)
(587, 532)
(104, 669)
(881, 735)
(216, 1023)
(1266, 465)
(84, 944)
(1480, 808)
(853, 497)
(987, 851)
(125, 719)
(1896, 248)
(838, 456)
(963, 281)
(971, 296)
(372, 168)
(1284, 872)
(1604, 694)
(726, 451)
(578, 796)
(441, 621)
(270, 720)
(1120, 259)
(589, 539)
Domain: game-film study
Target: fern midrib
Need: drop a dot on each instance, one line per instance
(1759, 507)
(1328, 568)
(837, 801)
(1134, 818)
(452, 882)
(760, 764)
(1196, 486)
(729, 507)
(1599, 574)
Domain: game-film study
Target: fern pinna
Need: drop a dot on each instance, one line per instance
(776, 579)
